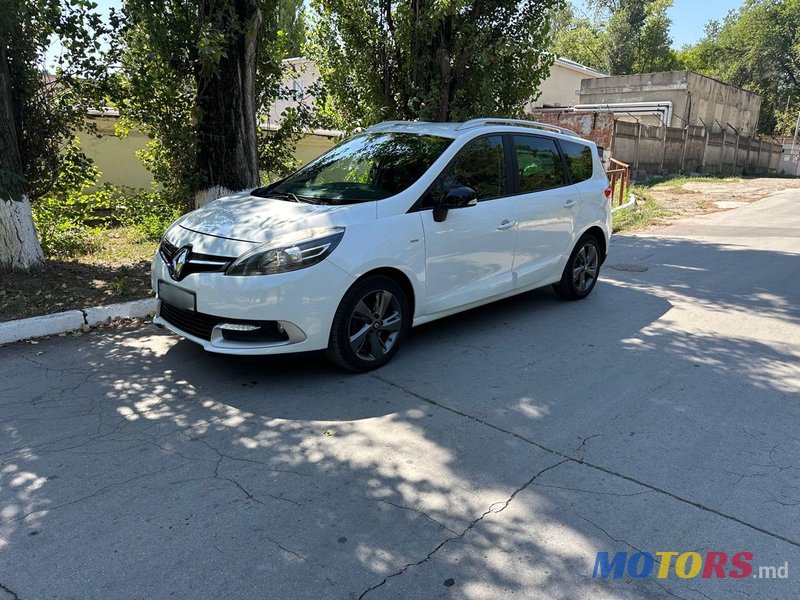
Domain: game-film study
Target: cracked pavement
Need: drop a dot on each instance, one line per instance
(493, 458)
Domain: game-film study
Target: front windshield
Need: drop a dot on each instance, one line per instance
(371, 166)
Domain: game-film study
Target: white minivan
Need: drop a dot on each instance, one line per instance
(396, 226)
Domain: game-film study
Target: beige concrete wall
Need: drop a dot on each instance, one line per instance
(118, 164)
(696, 100)
(311, 146)
(715, 101)
(562, 86)
(115, 157)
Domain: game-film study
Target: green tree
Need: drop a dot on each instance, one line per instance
(758, 48)
(578, 38)
(189, 79)
(196, 76)
(619, 37)
(291, 22)
(429, 60)
(39, 111)
(636, 37)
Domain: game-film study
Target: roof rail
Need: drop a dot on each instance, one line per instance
(518, 123)
(388, 124)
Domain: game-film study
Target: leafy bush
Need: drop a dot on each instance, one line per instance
(69, 218)
(62, 233)
(63, 216)
(149, 213)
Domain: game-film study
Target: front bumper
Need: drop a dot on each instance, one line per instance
(303, 302)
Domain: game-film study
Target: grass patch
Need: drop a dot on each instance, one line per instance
(676, 182)
(118, 246)
(644, 214)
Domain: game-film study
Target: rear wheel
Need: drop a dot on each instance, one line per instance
(582, 269)
(369, 325)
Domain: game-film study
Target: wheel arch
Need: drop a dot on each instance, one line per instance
(402, 280)
(598, 233)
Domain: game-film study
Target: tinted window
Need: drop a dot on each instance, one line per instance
(579, 160)
(538, 163)
(367, 167)
(479, 165)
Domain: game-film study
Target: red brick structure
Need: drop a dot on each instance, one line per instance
(595, 126)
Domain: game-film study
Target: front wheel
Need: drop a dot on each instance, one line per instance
(582, 269)
(369, 325)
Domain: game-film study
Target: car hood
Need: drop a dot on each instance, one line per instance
(248, 218)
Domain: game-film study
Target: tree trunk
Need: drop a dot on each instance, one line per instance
(227, 150)
(19, 245)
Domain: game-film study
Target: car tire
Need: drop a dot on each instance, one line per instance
(581, 271)
(369, 325)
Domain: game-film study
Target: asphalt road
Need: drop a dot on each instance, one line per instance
(497, 454)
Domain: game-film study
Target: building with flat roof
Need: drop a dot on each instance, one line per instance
(674, 99)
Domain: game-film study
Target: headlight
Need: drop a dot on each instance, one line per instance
(288, 252)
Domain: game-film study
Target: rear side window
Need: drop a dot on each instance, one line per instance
(538, 163)
(579, 160)
(479, 165)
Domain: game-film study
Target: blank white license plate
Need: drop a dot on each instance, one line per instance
(177, 297)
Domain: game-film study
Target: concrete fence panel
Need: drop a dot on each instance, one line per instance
(654, 149)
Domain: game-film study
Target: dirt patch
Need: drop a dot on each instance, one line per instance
(688, 197)
(118, 271)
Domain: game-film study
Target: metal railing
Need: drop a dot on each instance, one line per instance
(619, 179)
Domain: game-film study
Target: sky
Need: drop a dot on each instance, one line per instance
(689, 17)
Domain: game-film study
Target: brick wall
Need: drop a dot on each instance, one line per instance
(595, 126)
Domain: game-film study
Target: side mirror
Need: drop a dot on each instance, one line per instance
(456, 197)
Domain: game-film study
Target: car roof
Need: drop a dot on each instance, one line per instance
(456, 130)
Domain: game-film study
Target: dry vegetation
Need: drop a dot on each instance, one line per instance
(665, 201)
(117, 270)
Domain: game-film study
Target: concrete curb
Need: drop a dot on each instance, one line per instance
(631, 202)
(71, 320)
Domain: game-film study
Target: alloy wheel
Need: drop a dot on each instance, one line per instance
(375, 325)
(584, 271)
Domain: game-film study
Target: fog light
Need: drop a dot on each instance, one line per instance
(255, 332)
(239, 327)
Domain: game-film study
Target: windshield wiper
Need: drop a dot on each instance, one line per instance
(280, 196)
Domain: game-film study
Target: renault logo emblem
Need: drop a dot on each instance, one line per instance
(179, 262)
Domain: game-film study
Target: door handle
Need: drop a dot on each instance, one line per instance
(570, 203)
(506, 224)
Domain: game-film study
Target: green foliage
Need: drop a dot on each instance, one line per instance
(166, 49)
(63, 216)
(758, 48)
(435, 61)
(638, 37)
(647, 212)
(621, 37)
(578, 38)
(46, 109)
(148, 213)
(291, 24)
(70, 217)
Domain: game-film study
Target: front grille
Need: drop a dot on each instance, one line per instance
(201, 325)
(194, 323)
(195, 261)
